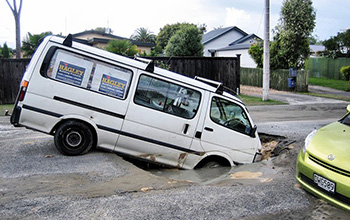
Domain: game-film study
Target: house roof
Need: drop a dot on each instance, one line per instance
(98, 33)
(245, 38)
(105, 38)
(235, 47)
(212, 35)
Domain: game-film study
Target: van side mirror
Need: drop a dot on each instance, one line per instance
(348, 108)
(252, 131)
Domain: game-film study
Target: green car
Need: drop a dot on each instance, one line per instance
(323, 165)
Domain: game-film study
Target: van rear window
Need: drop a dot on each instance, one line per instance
(84, 72)
(167, 97)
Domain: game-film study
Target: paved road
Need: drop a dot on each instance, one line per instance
(36, 182)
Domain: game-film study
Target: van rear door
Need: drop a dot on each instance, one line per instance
(161, 121)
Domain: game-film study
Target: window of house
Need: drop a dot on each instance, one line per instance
(167, 97)
(230, 115)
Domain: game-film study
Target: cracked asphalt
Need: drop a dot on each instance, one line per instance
(36, 182)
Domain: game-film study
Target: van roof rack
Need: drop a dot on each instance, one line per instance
(219, 85)
(68, 41)
(150, 63)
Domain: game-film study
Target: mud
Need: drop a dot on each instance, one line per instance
(37, 182)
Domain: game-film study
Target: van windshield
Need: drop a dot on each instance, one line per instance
(230, 115)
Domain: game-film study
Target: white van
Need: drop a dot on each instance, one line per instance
(87, 97)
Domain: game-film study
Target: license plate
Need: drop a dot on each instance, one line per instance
(324, 183)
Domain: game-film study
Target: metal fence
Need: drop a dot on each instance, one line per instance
(326, 67)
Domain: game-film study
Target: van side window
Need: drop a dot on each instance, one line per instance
(167, 97)
(230, 115)
(88, 73)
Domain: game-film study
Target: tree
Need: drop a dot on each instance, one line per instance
(256, 51)
(17, 15)
(338, 46)
(166, 33)
(5, 51)
(170, 29)
(290, 47)
(32, 41)
(314, 40)
(122, 47)
(144, 35)
(185, 42)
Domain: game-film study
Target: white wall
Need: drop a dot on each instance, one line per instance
(246, 59)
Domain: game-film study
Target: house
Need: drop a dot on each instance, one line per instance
(228, 42)
(316, 50)
(101, 39)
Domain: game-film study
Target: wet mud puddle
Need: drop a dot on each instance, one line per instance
(272, 146)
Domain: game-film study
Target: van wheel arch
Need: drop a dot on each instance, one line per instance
(212, 162)
(82, 129)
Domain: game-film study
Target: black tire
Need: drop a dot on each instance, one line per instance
(74, 138)
(212, 164)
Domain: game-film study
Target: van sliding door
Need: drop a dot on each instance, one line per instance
(161, 121)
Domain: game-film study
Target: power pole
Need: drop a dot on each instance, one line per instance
(266, 71)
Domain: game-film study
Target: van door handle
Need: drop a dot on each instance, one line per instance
(208, 129)
(186, 128)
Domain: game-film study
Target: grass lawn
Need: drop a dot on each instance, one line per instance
(3, 108)
(330, 83)
(252, 100)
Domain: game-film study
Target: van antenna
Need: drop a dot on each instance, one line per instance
(68, 40)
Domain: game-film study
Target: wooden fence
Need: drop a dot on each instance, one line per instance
(223, 69)
(11, 72)
(278, 79)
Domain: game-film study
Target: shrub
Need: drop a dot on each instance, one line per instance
(345, 71)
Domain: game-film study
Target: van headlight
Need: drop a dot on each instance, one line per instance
(308, 139)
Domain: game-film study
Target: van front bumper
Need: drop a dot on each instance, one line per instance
(257, 157)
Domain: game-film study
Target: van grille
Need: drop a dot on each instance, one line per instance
(330, 167)
(337, 196)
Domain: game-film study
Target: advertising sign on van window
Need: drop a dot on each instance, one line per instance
(112, 86)
(70, 73)
(111, 80)
(70, 68)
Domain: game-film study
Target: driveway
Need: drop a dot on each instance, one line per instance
(295, 98)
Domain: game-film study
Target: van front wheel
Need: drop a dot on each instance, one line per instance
(73, 138)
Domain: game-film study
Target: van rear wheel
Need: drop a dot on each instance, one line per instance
(73, 138)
